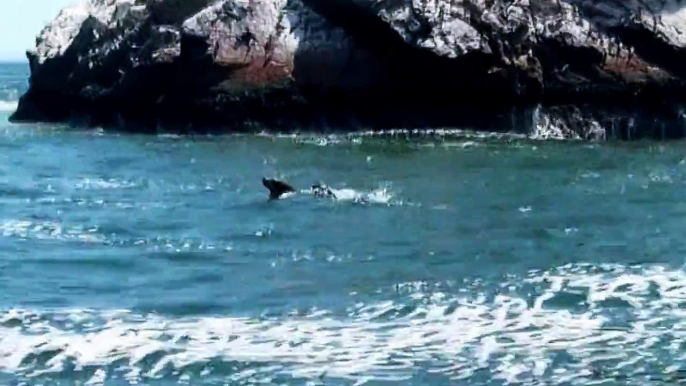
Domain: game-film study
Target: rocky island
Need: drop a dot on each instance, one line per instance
(588, 69)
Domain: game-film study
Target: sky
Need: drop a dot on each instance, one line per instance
(20, 23)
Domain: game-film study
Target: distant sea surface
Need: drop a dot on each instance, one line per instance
(461, 260)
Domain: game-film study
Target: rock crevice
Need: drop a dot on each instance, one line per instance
(552, 68)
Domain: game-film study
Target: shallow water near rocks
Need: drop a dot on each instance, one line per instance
(130, 259)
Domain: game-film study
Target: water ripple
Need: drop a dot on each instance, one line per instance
(514, 338)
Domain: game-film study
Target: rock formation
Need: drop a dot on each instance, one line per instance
(552, 68)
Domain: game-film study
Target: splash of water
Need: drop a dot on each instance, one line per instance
(8, 106)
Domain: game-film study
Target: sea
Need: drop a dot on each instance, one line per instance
(449, 258)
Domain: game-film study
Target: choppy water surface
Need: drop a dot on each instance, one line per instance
(158, 260)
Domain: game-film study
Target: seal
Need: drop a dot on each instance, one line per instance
(279, 188)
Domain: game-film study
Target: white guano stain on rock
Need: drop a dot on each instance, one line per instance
(58, 35)
(517, 48)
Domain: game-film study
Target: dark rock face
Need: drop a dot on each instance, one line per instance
(586, 69)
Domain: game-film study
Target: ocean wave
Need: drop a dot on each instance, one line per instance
(382, 196)
(577, 324)
(445, 138)
(108, 235)
(47, 230)
(459, 138)
(100, 183)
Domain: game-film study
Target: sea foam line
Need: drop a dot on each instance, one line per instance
(515, 338)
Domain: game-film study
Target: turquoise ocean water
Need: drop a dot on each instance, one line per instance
(157, 259)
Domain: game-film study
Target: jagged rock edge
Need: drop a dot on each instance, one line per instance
(548, 108)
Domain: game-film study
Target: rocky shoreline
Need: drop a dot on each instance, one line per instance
(585, 69)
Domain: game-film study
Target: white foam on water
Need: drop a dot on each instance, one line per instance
(383, 195)
(319, 140)
(46, 230)
(99, 183)
(469, 138)
(347, 194)
(288, 195)
(380, 196)
(515, 338)
(8, 106)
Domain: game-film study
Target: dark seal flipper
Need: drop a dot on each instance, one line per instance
(276, 188)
